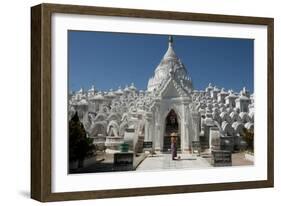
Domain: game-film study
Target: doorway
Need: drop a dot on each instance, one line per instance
(171, 126)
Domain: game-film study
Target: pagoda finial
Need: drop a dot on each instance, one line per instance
(170, 40)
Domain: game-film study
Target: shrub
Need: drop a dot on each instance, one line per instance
(249, 138)
(80, 147)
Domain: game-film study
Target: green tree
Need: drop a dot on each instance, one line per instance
(80, 147)
(249, 138)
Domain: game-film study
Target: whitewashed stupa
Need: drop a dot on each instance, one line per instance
(170, 104)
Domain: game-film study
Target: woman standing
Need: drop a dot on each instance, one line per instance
(174, 145)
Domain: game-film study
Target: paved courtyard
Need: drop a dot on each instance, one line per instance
(164, 161)
(158, 161)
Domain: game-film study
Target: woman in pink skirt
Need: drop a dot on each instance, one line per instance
(174, 146)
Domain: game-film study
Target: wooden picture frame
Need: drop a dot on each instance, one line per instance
(41, 97)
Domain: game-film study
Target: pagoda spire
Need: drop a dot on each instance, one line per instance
(171, 40)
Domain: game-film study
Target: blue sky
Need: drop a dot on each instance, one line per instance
(109, 60)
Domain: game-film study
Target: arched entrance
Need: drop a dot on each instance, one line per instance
(171, 125)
